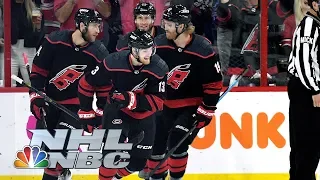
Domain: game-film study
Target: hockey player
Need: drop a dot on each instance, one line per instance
(144, 17)
(59, 64)
(135, 80)
(193, 89)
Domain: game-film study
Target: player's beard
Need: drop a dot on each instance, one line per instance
(147, 29)
(89, 38)
(145, 61)
(171, 35)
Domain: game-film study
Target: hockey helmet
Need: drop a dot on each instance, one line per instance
(144, 8)
(87, 16)
(178, 14)
(140, 40)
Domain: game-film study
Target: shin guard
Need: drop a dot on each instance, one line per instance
(123, 172)
(56, 172)
(106, 173)
(162, 172)
(177, 165)
(143, 173)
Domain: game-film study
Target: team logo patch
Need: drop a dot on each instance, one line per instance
(117, 121)
(67, 76)
(140, 87)
(177, 75)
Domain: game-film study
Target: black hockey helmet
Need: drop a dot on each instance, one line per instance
(140, 40)
(144, 8)
(178, 14)
(87, 16)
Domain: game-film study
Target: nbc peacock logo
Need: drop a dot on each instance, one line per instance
(31, 157)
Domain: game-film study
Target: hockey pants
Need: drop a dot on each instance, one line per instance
(130, 128)
(171, 127)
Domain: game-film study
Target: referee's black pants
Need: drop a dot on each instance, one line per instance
(304, 131)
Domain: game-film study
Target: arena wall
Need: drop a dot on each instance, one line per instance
(247, 139)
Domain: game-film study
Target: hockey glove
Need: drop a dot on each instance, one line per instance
(126, 99)
(204, 115)
(36, 104)
(91, 119)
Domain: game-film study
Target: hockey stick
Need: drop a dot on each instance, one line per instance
(234, 83)
(45, 97)
(136, 140)
(25, 59)
(171, 151)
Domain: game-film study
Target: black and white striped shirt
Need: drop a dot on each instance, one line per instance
(304, 58)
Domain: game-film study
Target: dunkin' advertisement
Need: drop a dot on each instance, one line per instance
(248, 134)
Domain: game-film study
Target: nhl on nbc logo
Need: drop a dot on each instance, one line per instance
(31, 157)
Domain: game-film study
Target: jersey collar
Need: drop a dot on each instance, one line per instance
(77, 47)
(135, 69)
(180, 49)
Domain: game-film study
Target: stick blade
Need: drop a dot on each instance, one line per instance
(16, 78)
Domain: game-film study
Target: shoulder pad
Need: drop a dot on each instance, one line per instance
(59, 36)
(122, 43)
(98, 50)
(161, 40)
(201, 47)
(157, 67)
(159, 30)
(117, 60)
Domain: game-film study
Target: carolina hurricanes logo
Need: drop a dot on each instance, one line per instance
(67, 76)
(252, 43)
(177, 75)
(140, 87)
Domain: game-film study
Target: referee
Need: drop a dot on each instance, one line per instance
(304, 95)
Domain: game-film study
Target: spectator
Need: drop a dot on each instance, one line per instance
(277, 13)
(50, 21)
(214, 23)
(126, 9)
(201, 13)
(65, 10)
(26, 33)
(144, 18)
(289, 25)
(300, 9)
(186, 3)
(228, 12)
(1, 43)
(121, 21)
(114, 26)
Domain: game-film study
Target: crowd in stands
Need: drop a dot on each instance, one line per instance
(232, 26)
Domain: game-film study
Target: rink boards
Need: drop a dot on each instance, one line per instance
(247, 139)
